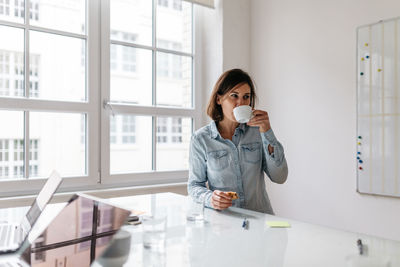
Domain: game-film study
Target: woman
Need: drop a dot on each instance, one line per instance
(231, 156)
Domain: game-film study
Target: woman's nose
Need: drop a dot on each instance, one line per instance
(240, 102)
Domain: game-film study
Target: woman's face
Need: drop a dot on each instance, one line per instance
(238, 96)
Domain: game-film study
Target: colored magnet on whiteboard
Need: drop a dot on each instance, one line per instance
(366, 44)
(360, 161)
(379, 70)
(362, 59)
(362, 73)
(359, 143)
(367, 56)
(361, 168)
(359, 153)
(359, 137)
(358, 157)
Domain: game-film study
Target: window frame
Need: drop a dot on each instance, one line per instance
(151, 177)
(90, 107)
(98, 107)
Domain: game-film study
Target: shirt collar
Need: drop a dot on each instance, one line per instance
(214, 130)
(215, 133)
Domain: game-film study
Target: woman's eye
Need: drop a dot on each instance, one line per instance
(246, 97)
(234, 95)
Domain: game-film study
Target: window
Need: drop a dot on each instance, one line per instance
(173, 4)
(177, 5)
(60, 99)
(123, 58)
(19, 8)
(163, 3)
(162, 132)
(5, 75)
(12, 157)
(128, 130)
(43, 113)
(169, 130)
(170, 65)
(5, 7)
(152, 94)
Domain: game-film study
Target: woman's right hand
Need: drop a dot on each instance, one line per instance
(220, 200)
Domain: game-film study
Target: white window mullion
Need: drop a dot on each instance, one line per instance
(154, 143)
(27, 91)
(93, 63)
(26, 144)
(154, 87)
(105, 87)
(196, 71)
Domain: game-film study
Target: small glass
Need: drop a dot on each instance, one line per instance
(195, 209)
(154, 232)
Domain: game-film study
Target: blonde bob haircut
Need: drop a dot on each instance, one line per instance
(226, 82)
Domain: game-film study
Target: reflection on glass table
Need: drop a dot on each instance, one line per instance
(77, 235)
(222, 241)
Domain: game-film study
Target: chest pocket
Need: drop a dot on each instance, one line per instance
(252, 152)
(218, 160)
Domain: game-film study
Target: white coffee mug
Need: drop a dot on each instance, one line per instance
(118, 251)
(243, 113)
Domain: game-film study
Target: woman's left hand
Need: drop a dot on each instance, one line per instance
(261, 120)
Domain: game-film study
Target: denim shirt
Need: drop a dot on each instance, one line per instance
(236, 165)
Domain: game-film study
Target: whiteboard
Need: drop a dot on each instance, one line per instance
(378, 108)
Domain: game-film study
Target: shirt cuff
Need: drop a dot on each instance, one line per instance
(207, 201)
(269, 136)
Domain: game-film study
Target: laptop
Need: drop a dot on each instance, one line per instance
(78, 235)
(13, 234)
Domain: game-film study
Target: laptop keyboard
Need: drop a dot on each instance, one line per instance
(5, 234)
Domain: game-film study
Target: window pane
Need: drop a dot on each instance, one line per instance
(173, 137)
(12, 82)
(174, 25)
(11, 144)
(12, 10)
(130, 148)
(56, 144)
(131, 79)
(174, 80)
(63, 15)
(131, 21)
(56, 67)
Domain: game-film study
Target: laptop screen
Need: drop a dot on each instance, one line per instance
(78, 234)
(44, 196)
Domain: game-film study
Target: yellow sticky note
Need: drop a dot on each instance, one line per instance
(278, 224)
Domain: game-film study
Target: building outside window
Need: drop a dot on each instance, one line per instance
(19, 8)
(169, 130)
(5, 75)
(173, 4)
(5, 7)
(163, 3)
(12, 158)
(128, 129)
(170, 65)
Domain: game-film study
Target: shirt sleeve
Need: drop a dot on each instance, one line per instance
(198, 173)
(274, 165)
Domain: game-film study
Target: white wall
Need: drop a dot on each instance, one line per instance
(236, 34)
(303, 61)
(208, 51)
(223, 38)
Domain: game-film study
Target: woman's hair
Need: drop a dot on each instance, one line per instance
(226, 82)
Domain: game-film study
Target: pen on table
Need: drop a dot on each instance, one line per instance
(360, 246)
(245, 224)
